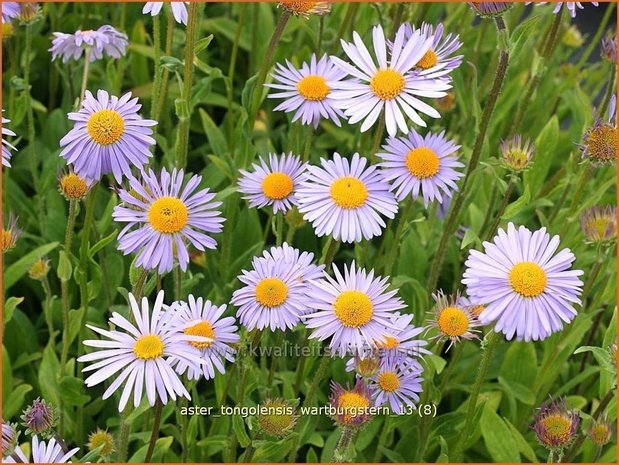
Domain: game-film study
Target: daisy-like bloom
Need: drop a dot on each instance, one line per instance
(599, 143)
(352, 406)
(179, 10)
(10, 234)
(294, 257)
(387, 86)
(517, 154)
(6, 145)
(397, 385)
(609, 48)
(105, 40)
(345, 199)
(466, 303)
(10, 10)
(421, 165)
(273, 296)
(39, 418)
(108, 137)
(164, 213)
(29, 12)
(9, 435)
(142, 352)
(273, 183)
(277, 417)
(402, 340)
(365, 365)
(353, 310)
(599, 224)
(202, 318)
(308, 91)
(489, 9)
(555, 426)
(42, 452)
(571, 6)
(527, 289)
(600, 431)
(305, 9)
(453, 319)
(101, 439)
(440, 54)
(71, 186)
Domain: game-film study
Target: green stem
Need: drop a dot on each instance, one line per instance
(450, 223)
(185, 117)
(610, 90)
(279, 228)
(48, 310)
(165, 73)
(489, 233)
(275, 360)
(350, 14)
(382, 440)
(378, 137)
(157, 65)
(266, 64)
(395, 245)
(593, 43)
(64, 289)
(584, 178)
(340, 454)
(300, 371)
(493, 338)
(550, 457)
(329, 254)
(30, 112)
(84, 76)
(155, 433)
(309, 134)
(231, 73)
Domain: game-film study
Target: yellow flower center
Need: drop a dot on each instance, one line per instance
(422, 162)
(601, 226)
(353, 405)
(73, 187)
(168, 215)
(528, 279)
(271, 292)
(367, 366)
(477, 309)
(106, 127)
(8, 240)
(298, 7)
(389, 342)
(517, 159)
(277, 186)
(602, 143)
(203, 329)
(148, 347)
(313, 87)
(388, 381)
(600, 434)
(353, 308)
(387, 84)
(428, 60)
(453, 321)
(348, 192)
(557, 428)
(101, 438)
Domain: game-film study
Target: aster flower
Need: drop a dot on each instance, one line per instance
(489, 9)
(440, 54)
(528, 290)
(42, 452)
(10, 11)
(273, 296)
(277, 417)
(102, 439)
(609, 48)
(396, 385)
(353, 310)
(305, 9)
(273, 183)
(600, 431)
(351, 405)
(108, 137)
(345, 199)
(39, 418)
(555, 427)
(453, 319)
(387, 86)
(421, 165)
(599, 224)
(6, 145)
(9, 435)
(599, 143)
(308, 91)
(71, 186)
(165, 214)
(571, 6)
(139, 354)
(179, 10)
(365, 365)
(295, 258)
(401, 339)
(466, 303)
(202, 318)
(517, 154)
(29, 12)
(10, 234)
(105, 40)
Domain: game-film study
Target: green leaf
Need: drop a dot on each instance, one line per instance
(520, 391)
(48, 375)
(519, 205)
(497, 437)
(545, 151)
(75, 323)
(9, 307)
(161, 447)
(216, 137)
(18, 269)
(72, 391)
(102, 243)
(523, 446)
(470, 237)
(521, 36)
(7, 375)
(65, 269)
(602, 356)
(238, 425)
(203, 43)
(15, 401)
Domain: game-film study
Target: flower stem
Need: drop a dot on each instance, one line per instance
(165, 73)
(29, 111)
(493, 338)
(584, 177)
(309, 134)
(157, 65)
(593, 43)
(489, 233)
(266, 64)
(185, 117)
(64, 290)
(382, 439)
(275, 360)
(452, 217)
(340, 454)
(155, 433)
(231, 73)
(395, 245)
(84, 76)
